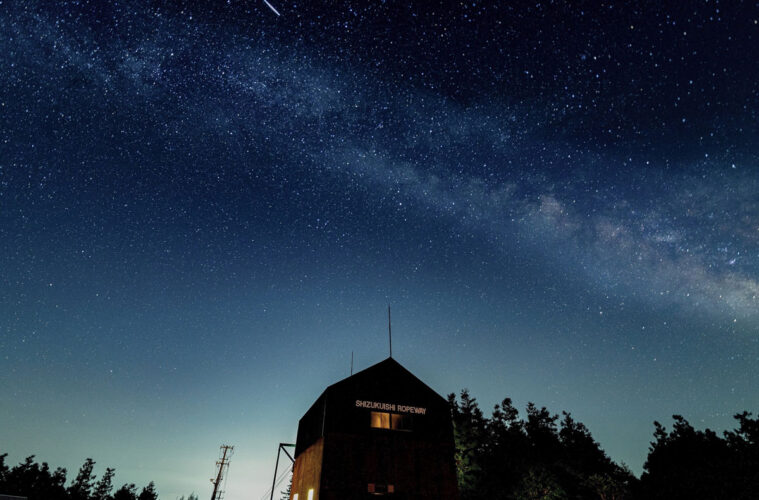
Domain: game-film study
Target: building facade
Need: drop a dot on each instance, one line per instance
(380, 432)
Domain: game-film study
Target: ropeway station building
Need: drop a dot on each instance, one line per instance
(380, 432)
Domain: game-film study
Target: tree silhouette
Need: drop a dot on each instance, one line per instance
(542, 433)
(285, 495)
(689, 463)
(539, 484)
(38, 482)
(81, 487)
(608, 487)
(507, 447)
(126, 492)
(148, 492)
(33, 481)
(505, 457)
(470, 436)
(104, 486)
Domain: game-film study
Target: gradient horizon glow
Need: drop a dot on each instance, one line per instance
(205, 208)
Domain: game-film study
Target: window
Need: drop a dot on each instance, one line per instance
(394, 421)
(311, 494)
(400, 422)
(380, 489)
(380, 420)
(295, 497)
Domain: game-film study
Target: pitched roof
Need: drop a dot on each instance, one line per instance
(339, 408)
(381, 375)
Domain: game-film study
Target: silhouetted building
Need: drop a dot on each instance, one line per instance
(381, 431)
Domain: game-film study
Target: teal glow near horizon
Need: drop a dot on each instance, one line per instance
(205, 209)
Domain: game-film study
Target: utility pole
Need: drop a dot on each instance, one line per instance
(222, 465)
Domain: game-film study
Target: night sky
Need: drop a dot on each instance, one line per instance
(206, 207)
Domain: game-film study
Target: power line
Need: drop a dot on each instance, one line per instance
(279, 480)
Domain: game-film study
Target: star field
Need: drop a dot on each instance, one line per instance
(205, 207)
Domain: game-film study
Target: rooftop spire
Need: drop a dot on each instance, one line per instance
(389, 331)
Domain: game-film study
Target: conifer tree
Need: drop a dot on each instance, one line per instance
(104, 486)
(81, 487)
(148, 492)
(126, 492)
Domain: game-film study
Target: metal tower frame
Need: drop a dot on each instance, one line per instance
(280, 449)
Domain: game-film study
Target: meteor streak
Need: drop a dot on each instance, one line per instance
(272, 7)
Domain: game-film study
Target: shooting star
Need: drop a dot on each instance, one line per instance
(272, 7)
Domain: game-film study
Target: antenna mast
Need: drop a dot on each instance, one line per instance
(222, 466)
(351, 363)
(389, 331)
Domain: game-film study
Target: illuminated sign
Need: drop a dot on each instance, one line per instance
(374, 405)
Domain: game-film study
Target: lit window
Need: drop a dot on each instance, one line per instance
(380, 420)
(311, 494)
(295, 497)
(384, 420)
(380, 489)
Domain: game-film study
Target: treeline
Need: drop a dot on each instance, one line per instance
(38, 482)
(547, 457)
(507, 457)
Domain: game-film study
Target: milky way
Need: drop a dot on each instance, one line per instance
(562, 196)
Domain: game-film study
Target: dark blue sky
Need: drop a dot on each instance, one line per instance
(205, 207)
